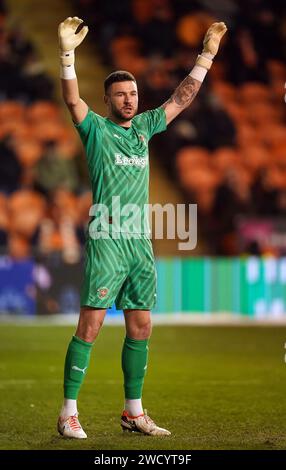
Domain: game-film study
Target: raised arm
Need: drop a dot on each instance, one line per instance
(68, 41)
(189, 87)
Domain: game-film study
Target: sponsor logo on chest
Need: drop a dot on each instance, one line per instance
(133, 160)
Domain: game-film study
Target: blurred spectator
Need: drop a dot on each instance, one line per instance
(158, 85)
(18, 247)
(60, 230)
(20, 47)
(214, 126)
(10, 168)
(53, 171)
(233, 197)
(262, 18)
(265, 193)
(156, 28)
(22, 75)
(10, 74)
(36, 82)
(3, 220)
(243, 61)
(206, 123)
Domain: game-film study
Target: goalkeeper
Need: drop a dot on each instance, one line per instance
(119, 268)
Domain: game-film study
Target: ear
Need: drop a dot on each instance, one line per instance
(106, 99)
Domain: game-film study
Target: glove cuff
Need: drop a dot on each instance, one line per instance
(67, 58)
(204, 62)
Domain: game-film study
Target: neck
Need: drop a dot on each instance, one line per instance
(119, 121)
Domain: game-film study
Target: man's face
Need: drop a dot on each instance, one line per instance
(122, 100)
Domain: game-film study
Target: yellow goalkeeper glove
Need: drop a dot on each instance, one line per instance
(211, 44)
(213, 37)
(69, 39)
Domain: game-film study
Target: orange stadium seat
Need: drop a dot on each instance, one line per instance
(28, 152)
(272, 134)
(11, 111)
(225, 91)
(199, 179)
(65, 204)
(241, 176)
(260, 113)
(275, 178)
(142, 10)
(190, 157)
(26, 210)
(276, 69)
(126, 54)
(278, 153)
(237, 111)
(24, 199)
(67, 149)
(255, 157)
(278, 91)
(251, 92)
(84, 203)
(44, 131)
(67, 140)
(246, 134)
(9, 128)
(22, 130)
(224, 158)
(191, 28)
(137, 65)
(43, 111)
(125, 45)
(205, 199)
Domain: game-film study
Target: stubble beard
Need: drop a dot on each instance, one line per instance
(120, 116)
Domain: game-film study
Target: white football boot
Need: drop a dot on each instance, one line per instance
(71, 427)
(142, 423)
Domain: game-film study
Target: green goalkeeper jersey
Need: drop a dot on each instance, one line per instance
(118, 163)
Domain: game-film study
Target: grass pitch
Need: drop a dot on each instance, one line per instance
(213, 387)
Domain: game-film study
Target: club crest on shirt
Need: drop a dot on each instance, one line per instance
(102, 292)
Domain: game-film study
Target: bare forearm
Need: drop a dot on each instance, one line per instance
(70, 92)
(77, 107)
(181, 98)
(184, 93)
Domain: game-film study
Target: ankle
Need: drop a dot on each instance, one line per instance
(69, 408)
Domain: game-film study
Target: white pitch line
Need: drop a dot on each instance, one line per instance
(20, 382)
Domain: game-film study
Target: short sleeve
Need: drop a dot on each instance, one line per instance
(155, 120)
(89, 125)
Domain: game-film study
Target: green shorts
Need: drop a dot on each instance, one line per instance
(121, 271)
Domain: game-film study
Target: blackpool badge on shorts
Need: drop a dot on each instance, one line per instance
(102, 292)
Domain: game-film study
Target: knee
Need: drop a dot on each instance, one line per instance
(89, 332)
(141, 331)
(89, 325)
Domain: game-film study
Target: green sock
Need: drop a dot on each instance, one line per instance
(134, 365)
(76, 364)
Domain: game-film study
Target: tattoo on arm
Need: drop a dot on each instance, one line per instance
(185, 92)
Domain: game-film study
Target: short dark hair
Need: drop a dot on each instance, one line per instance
(118, 76)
